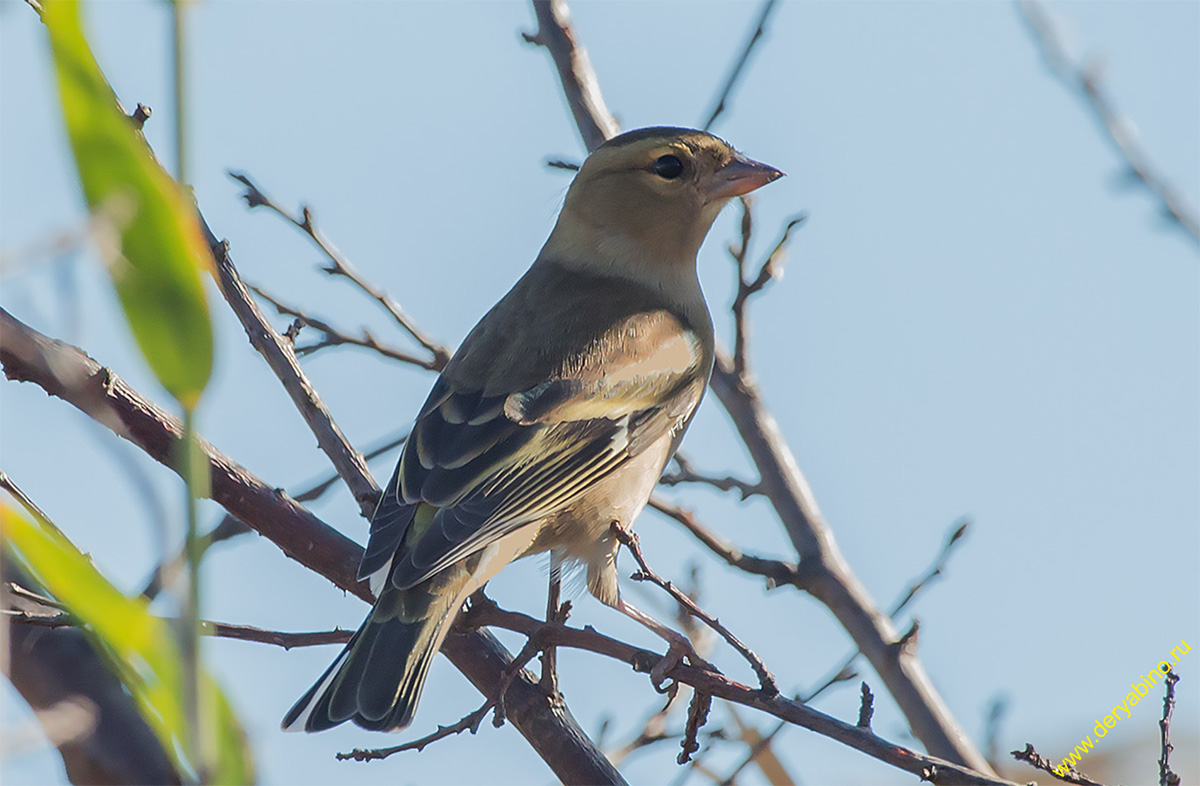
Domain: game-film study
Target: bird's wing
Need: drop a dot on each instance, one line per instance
(493, 461)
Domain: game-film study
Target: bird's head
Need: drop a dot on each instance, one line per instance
(648, 198)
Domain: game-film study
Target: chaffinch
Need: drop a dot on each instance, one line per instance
(553, 420)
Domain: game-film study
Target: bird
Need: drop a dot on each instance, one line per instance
(552, 421)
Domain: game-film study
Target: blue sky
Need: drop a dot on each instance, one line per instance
(978, 319)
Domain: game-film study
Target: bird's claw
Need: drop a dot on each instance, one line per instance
(676, 652)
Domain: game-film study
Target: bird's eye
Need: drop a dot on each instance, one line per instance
(668, 167)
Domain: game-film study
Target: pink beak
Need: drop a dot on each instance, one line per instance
(741, 176)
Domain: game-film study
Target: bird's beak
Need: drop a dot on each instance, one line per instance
(739, 177)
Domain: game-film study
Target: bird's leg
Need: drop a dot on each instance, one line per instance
(678, 645)
(549, 681)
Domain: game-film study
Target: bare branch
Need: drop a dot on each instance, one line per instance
(579, 83)
(1165, 776)
(340, 266)
(828, 576)
(931, 768)
(558, 163)
(776, 572)
(470, 722)
(740, 64)
(1119, 131)
(230, 527)
(281, 357)
(939, 564)
(219, 630)
(66, 372)
(1035, 760)
(333, 337)
(630, 541)
(686, 473)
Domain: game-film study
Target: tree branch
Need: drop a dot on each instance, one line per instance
(686, 473)
(66, 372)
(1119, 131)
(1166, 777)
(828, 576)
(340, 266)
(1038, 762)
(332, 337)
(218, 630)
(931, 768)
(776, 572)
(281, 357)
(579, 83)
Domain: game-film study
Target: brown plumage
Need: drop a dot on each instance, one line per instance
(555, 417)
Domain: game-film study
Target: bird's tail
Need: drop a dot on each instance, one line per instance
(377, 679)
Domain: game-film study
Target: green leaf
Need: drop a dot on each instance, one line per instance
(156, 262)
(141, 645)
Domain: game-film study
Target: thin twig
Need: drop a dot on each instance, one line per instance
(686, 473)
(1085, 79)
(939, 564)
(1038, 762)
(219, 630)
(771, 269)
(740, 64)
(630, 541)
(558, 163)
(223, 630)
(1165, 776)
(777, 572)
(7, 484)
(332, 337)
(340, 266)
(318, 488)
(469, 722)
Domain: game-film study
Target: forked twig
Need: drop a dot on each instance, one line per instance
(333, 337)
(685, 473)
(771, 269)
(340, 266)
